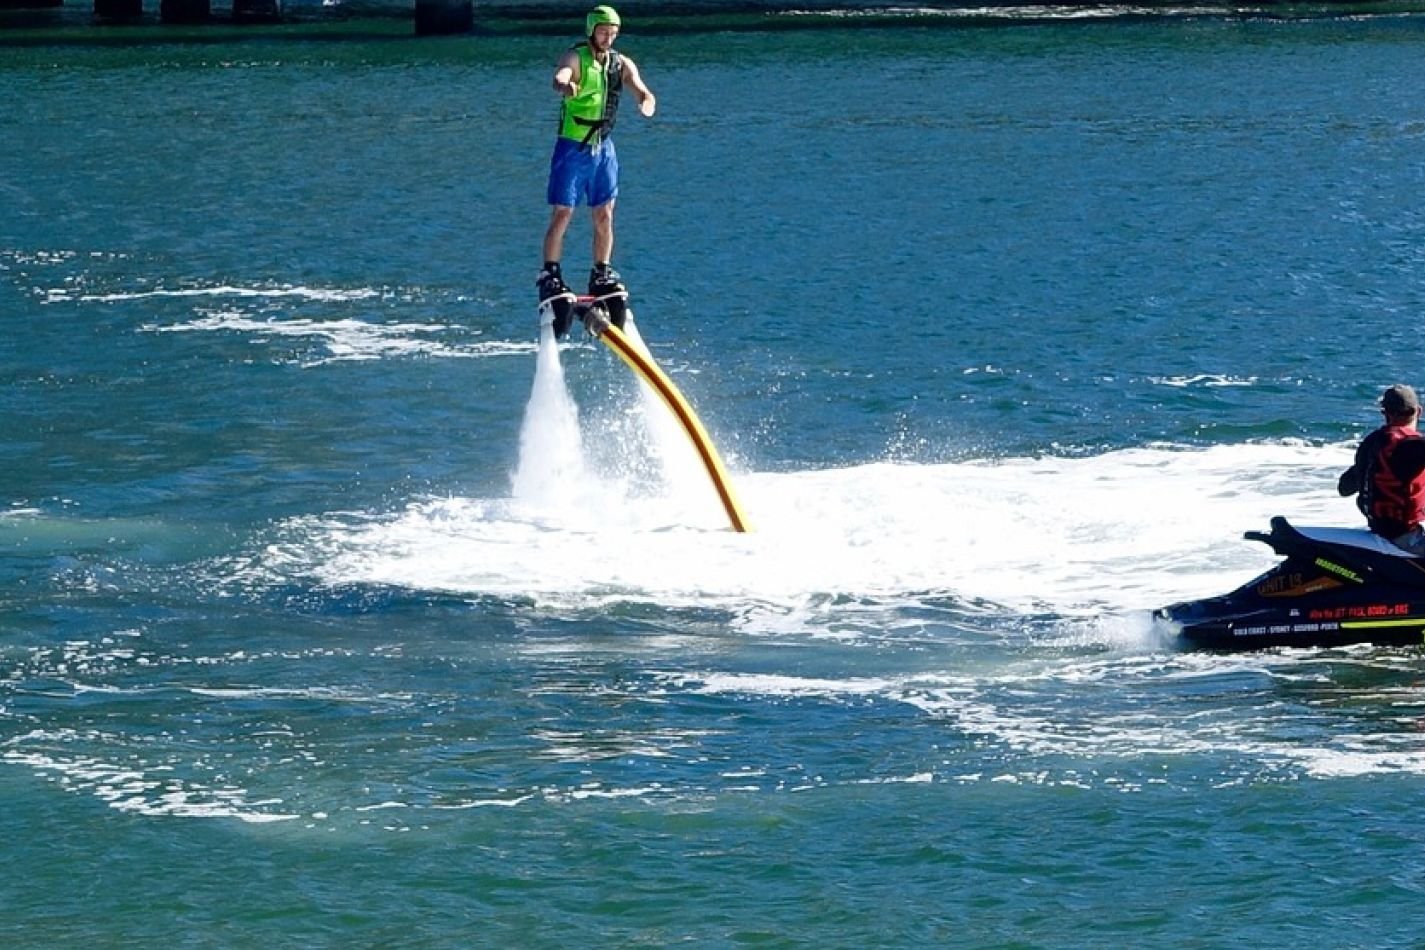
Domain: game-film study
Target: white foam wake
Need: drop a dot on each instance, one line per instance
(1122, 531)
(347, 339)
(325, 294)
(149, 791)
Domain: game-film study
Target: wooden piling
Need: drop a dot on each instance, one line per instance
(444, 17)
(185, 11)
(111, 10)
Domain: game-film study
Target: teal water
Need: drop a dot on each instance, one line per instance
(1006, 336)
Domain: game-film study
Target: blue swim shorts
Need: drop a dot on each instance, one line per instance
(580, 175)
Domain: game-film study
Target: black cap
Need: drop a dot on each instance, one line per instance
(1399, 400)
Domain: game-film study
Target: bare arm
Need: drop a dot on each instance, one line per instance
(647, 103)
(564, 74)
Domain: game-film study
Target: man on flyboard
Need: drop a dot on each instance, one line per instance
(589, 78)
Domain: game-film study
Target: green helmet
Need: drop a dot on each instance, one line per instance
(600, 14)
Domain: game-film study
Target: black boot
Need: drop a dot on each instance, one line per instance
(607, 289)
(556, 295)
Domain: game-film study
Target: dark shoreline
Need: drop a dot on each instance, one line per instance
(26, 25)
(695, 17)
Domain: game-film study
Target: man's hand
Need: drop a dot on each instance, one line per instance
(648, 105)
(565, 81)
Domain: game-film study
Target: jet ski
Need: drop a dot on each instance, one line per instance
(1336, 586)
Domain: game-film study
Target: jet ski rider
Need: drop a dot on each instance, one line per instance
(1388, 476)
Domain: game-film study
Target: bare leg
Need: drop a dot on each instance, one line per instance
(603, 233)
(559, 218)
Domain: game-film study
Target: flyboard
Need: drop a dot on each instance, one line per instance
(595, 317)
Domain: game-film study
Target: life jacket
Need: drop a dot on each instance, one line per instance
(1391, 506)
(588, 117)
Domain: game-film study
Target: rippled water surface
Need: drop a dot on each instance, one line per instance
(329, 616)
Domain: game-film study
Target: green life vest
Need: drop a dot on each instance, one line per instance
(588, 117)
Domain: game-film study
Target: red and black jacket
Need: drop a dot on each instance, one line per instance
(1391, 466)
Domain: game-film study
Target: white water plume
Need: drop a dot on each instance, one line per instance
(633, 451)
(551, 463)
